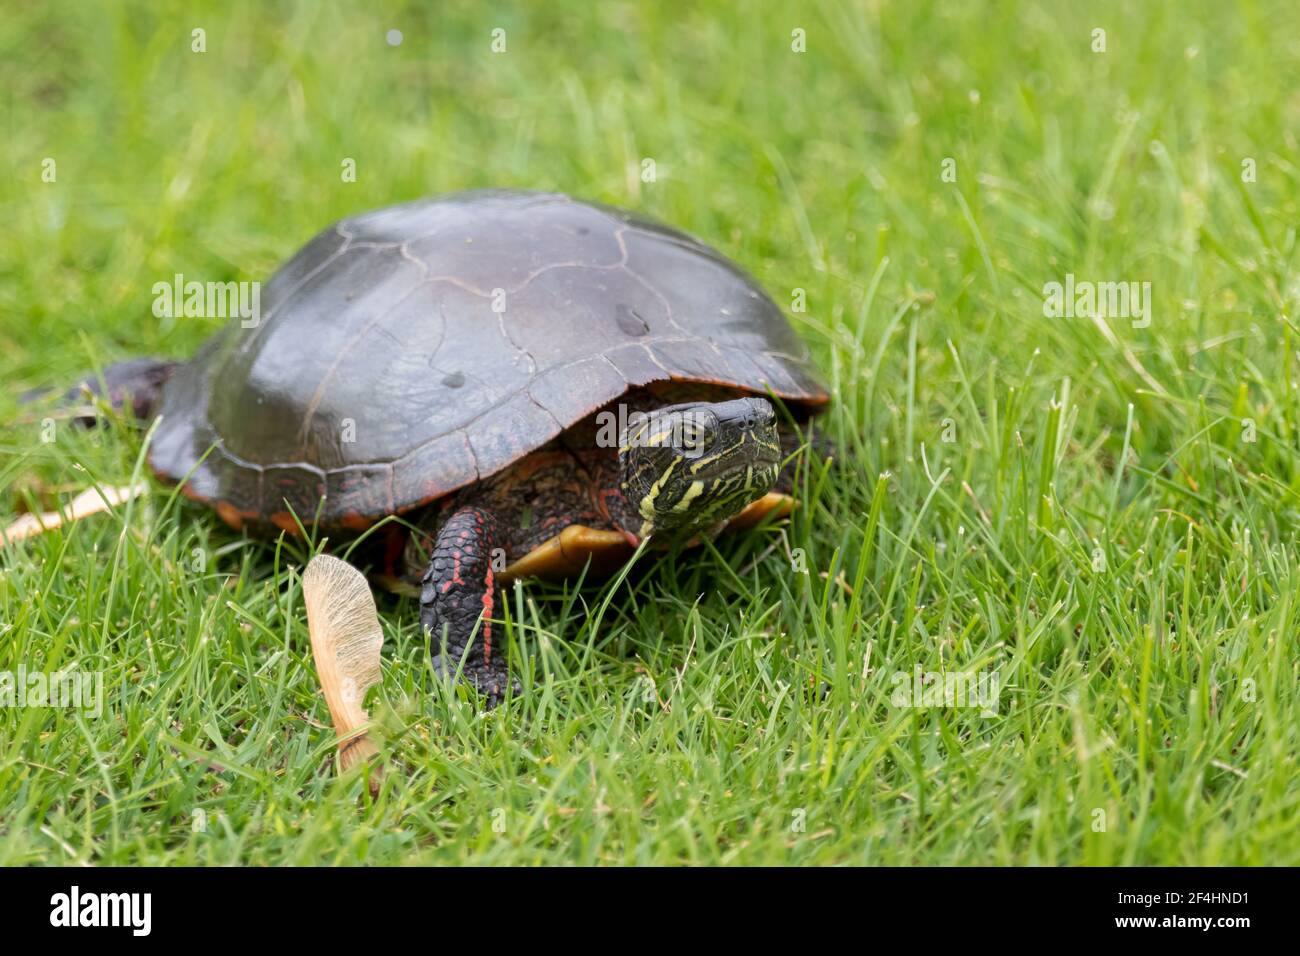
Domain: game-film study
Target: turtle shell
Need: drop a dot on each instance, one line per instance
(407, 352)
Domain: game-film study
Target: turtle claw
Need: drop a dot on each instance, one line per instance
(490, 680)
(494, 685)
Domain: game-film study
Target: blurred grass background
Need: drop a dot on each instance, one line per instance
(1103, 528)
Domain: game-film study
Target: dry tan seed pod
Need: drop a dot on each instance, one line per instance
(346, 641)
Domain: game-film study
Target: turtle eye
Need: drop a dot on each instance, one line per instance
(695, 428)
(691, 437)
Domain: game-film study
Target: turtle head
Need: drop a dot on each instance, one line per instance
(687, 469)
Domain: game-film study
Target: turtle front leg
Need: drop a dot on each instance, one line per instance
(458, 598)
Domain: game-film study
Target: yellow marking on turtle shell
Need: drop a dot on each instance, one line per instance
(566, 554)
(774, 504)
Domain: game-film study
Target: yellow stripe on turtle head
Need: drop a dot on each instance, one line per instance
(694, 491)
(647, 504)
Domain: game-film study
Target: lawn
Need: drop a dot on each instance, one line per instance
(1098, 512)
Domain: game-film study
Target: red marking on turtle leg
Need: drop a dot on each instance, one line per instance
(455, 574)
(614, 507)
(458, 599)
(487, 616)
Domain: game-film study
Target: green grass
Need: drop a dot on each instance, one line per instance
(1099, 530)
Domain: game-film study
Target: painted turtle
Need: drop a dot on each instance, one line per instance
(564, 379)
